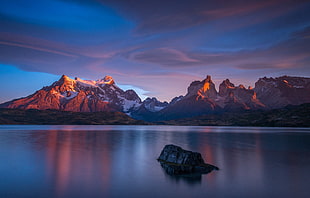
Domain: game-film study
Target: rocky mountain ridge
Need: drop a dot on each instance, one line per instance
(202, 98)
(283, 91)
(79, 95)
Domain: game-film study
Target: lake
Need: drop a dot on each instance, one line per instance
(120, 161)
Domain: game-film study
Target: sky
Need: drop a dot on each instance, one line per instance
(154, 47)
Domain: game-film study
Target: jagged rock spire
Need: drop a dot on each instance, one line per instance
(202, 89)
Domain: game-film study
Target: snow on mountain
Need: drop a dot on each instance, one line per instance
(201, 98)
(80, 95)
(175, 99)
(153, 105)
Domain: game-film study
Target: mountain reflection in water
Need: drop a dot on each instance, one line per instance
(120, 161)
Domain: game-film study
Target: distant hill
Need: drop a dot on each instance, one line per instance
(55, 117)
(290, 116)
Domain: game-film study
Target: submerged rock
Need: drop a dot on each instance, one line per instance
(177, 161)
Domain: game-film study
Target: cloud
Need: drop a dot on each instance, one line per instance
(165, 56)
(287, 54)
(37, 48)
(159, 16)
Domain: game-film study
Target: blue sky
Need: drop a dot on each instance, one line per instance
(155, 47)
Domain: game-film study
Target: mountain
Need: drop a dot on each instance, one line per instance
(231, 97)
(202, 98)
(79, 95)
(153, 105)
(148, 109)
(282, 91)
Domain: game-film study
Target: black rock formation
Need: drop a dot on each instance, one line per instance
(177, 161)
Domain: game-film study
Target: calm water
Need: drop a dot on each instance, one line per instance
(120, 161)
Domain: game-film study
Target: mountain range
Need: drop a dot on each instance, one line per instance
(202, 98)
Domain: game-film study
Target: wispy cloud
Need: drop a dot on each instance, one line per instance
(37, 48)
(165, 56)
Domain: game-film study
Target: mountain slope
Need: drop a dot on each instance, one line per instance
(79, 95)
(282, 91)
(231, 97)
(202, 98)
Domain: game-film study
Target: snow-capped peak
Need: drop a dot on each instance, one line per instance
(88, 83)
(106, 80)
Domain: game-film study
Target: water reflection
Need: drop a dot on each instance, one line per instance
(188, 180)
(119, 161)
(75, 159)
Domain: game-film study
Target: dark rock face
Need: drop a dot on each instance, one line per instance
(237, 98)
(282, 91)
(200, 100)
(202, 89)
(175, 99)
(188, 107)
(177, 161)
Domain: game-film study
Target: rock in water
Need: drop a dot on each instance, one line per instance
(177, 161)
